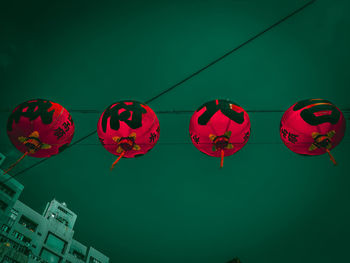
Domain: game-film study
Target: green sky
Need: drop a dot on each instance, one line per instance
(267, 205)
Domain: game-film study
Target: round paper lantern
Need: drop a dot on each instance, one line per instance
(128, 129)
(219, 128)
(40, 128)
(312, 127)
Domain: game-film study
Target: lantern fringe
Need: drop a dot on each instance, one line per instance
(14, 164)
(116, 161)
(222, 159)
(331, 157)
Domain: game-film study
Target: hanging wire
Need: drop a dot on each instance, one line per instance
(231, 51)
(187, 78)
(345, 111)
(190, 143)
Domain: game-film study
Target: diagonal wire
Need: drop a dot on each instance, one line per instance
(188, 77)
(43, 160)
(231, 51)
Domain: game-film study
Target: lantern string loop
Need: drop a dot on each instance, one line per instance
(331, 157)
(222, 158)
(116, 161)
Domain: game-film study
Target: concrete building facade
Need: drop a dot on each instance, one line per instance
(9, 192)
(27, 236)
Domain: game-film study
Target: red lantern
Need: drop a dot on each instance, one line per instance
(219, 128)
(312, 127)
(128, 129)
(40, 128)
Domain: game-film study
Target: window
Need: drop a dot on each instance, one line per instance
(5, 228)
(3, 238)
(78, 255)
(7, 190)
(49, 256)
(29, 224)
(21, 237)
(15, 245)
(13, 217)
(55, 243)
(94, 260)
(3, 205)
(9, 260)
(36, 258)
(13, 214)
(61, 220)
(63, 210)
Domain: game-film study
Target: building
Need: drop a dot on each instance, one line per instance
(27, 236)
(9, 192)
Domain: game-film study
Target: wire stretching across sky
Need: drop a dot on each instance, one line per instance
(90, 111)
(188, 77)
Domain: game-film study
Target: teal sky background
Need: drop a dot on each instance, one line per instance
(266, 205)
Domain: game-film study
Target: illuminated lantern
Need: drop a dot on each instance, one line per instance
(40, 128)
(128, 129)
(312, 127)
(219, 128)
